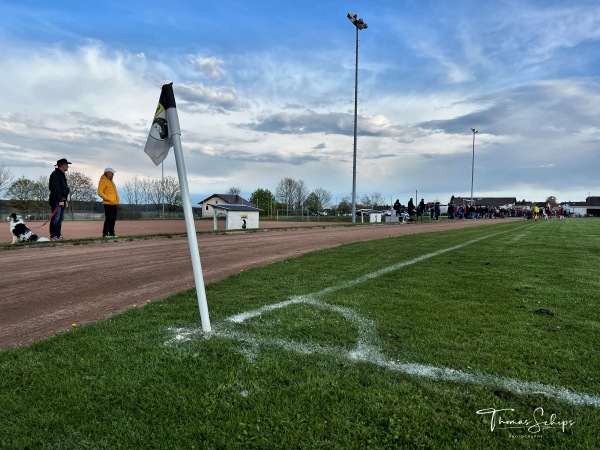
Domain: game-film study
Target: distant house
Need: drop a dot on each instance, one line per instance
(523, 206)
(493, 202)
(221, 199)
(591, 207)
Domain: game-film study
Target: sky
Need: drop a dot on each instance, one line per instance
(265, 90)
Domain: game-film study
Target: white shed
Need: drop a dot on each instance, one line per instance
(375, 217)
(237, 217)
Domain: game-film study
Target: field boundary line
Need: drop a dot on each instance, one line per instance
(348, 284)
(367, 349)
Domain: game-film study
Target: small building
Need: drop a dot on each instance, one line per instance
(591, 207)
(221, 199)
(375, 217)
(237, 217)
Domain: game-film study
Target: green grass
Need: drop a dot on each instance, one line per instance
(520, 304)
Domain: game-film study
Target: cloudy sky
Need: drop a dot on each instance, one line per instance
(265, 90)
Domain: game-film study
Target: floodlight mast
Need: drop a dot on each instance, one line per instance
(473, 163)
(360, 25)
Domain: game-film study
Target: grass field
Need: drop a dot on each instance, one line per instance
(406, 342)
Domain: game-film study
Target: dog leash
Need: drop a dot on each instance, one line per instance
(50, 218)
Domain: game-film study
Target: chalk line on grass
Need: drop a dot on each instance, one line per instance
(367, 349)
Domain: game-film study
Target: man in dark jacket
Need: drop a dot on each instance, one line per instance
(397, 207)
(411, 209)
(421, 210)
(59, 193)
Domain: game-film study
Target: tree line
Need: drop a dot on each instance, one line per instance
(31, 196)
(294, 197)
(154, 192)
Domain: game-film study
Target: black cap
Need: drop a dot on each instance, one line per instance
(62, 161)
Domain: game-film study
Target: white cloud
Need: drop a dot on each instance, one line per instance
(537, 33)
(252, 114)
(210, 68)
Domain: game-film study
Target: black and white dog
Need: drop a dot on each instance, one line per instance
(20, 232)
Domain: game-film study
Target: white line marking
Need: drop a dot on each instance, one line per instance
(367, 348)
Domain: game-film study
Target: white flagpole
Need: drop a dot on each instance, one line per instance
(173, 121)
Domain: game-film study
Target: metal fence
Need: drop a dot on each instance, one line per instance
(94, 211)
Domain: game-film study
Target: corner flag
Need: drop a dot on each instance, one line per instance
(164, 134)
(159, 139)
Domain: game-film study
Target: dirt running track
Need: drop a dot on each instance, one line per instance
(44, 288)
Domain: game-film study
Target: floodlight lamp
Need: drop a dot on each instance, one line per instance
(474, 130)
(352, 17)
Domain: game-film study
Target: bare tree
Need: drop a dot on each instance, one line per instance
(146, 194)
(377, 198)
(323, 196)
(300, 194)
(292, 192)
(366, 200)
(154, 193)
(164, 192)
(234, 190)
(135, 193)
(40, 194)
(345, 205)
(372, 200)
(172, 193)
(6, 178)
(285, 191)
(82, 190)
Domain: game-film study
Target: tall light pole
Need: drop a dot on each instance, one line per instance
(473, 163)
(360, 25)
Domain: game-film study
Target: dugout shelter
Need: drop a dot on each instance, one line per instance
(237, 217)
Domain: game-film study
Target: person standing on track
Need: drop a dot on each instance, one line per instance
(59, 194)
(107, 191)
(398, 209)
(411, 210)
(421, 210)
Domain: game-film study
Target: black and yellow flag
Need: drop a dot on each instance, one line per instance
(159, 138)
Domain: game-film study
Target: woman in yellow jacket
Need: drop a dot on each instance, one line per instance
(108, 192)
